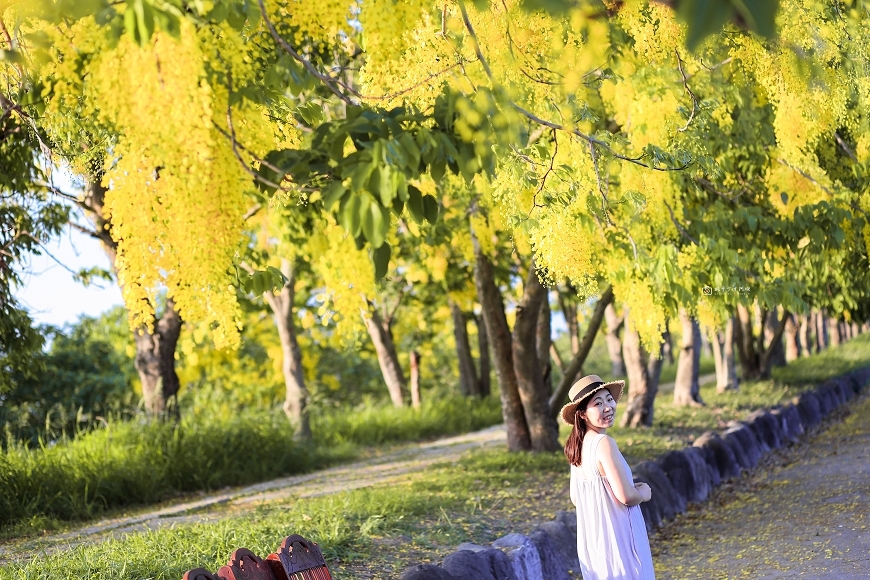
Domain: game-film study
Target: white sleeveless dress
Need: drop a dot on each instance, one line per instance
(612, 543)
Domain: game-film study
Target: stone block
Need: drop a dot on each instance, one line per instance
(809, 409)
(826, 398)
(721, 452)
(467, 565)
(702, 473)
(569, 518)
(565, 541)
(553, 565)
(687, 474)
(710, 460)
(790, 421)
(523, 555)
(744, 444)
(666, 502)
(767, 429)
(426, 572)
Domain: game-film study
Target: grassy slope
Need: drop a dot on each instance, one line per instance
(387, 528)
(131, 464)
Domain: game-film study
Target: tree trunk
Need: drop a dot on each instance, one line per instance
(765, 362)
(844, 331)
(614, 344)
(543, 428)
(667, 344)
(518, 437)
(295, 390)
(415, 379)
(569, 311)
(834, 338)
(745, 341)
(483, 387)
(806, 337)
(856, 329)
(822, 330)
(155, 362)
(686, 387)
(643, 374)
(543, 342)
(777, 356)
(388, 358)
(575, 367)
(792, 340)
(731, 382)
(155, 351)
(717, 341)
(468, 384)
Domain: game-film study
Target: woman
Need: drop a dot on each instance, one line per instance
(612, 543)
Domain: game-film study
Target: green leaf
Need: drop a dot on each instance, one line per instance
(415, 204)
(11, 56)
(703, 18)
(311, 113)
(381, 259)
(350, 214)
(375, 224)
(332, 193)
(759, 15)
(430, 209)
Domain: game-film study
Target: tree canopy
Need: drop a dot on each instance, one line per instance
(657, 148)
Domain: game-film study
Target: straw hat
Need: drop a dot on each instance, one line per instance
(584, 388)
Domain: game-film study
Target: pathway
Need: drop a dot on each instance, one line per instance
(804, 514)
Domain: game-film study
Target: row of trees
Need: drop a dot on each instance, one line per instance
(471, 156)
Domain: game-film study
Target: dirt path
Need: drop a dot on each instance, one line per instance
(802, 514)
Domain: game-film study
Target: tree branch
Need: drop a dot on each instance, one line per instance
(681, 229)
(695, 106)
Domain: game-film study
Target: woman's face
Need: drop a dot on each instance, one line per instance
(601, 410)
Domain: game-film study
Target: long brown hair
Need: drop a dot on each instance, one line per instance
(574, 444)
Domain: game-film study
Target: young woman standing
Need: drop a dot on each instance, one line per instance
(612, 542)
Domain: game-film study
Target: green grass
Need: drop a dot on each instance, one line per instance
(135, 463)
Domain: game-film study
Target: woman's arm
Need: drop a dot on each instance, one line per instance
(613, 467)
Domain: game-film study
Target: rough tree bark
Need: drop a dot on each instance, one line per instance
(483, 358)
(543, 343)
(777, 356)
(792, 339)
(155, 351)
(765, 360)
(498, 333)
(745, 342)
(468, 383)
(574, 368)
(668, 344)
(388, 359)
(415, 379)
(834, 338)
(723, 354)
(806, 336)
(821, 331)
(686, 387)
(543, 428)
(643, 372)
(295, 390)
(614, 344)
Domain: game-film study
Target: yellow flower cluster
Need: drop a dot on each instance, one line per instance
(176, 192)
